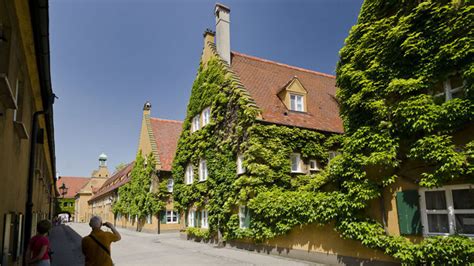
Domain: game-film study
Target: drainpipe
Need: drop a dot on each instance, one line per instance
(31, 172)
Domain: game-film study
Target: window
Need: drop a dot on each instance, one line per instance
(332, 155)
(204, 223)
(295, 163)
(171, 217)
(149, 219)
(195, 124)
(313, 165)
(203, 170)
(206, 116)
(296, 103)
(189, 174)
(448, 210)
(170, 185)
(244, 217)
(17, 113)
(191, 218)
(450, 89)
(240, 166)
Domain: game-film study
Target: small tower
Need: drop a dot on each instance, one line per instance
(103, 171)
(102, 160)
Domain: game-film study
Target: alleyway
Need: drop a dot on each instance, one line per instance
(149, 249)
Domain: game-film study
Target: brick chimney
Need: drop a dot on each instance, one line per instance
(223, 31)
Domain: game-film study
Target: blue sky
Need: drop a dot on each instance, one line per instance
(110, 56)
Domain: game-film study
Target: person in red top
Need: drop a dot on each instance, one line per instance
(37, 252)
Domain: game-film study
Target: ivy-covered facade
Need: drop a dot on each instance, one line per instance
(255, 163)
(139, 196)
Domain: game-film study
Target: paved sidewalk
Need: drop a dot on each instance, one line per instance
(66, 245)
(138, 248)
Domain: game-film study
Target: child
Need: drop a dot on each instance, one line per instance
(37, 252)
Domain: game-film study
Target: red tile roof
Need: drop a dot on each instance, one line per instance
(166, 134)
(116, 180)
(264, 79)
(74, 184)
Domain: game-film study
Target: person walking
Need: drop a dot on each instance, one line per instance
(96, 246)
(37, 252)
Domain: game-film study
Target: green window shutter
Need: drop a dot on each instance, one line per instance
(247, 217)
(163, 217)
(186, 220)
(408, 209)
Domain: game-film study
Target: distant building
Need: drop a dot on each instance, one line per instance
(157, 136)
(98, 177)
(68, 187)
(27, 157)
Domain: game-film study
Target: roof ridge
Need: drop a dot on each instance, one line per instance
(284, 65)
(166, 120)
(78, 177)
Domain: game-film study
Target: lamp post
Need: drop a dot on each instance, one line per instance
(63, 189)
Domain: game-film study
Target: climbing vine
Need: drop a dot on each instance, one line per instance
(393, 61)
(135, 198)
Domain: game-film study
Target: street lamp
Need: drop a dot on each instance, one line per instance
(63, 189)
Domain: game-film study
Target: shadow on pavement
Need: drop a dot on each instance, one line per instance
(66, 245)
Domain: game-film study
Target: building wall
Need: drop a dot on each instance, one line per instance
(18, 63)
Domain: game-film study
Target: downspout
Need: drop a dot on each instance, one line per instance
(31, 172)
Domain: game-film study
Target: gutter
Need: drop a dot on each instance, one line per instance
(40, 23)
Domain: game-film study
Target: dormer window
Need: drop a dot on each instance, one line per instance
(293, 95)
(206, 116)
(296, 102)
(450, 88)
(195, 124)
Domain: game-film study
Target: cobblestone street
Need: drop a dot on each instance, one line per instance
(150, 249)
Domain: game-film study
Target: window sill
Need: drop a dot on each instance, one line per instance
(298, 172)
(446, 234)
(200, 181)
(6, 94)
(170, 223)
(20, 130)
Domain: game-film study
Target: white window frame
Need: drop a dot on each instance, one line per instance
(170, 185)
(316, 165)
(450, 211)
(203, 173)
(204, 219)
(192, 218)
(240, 164)
(297, 156)
(296, 102)
(195, 123)
(149, 219)
(173, 215)
(242, 217)
(448, 91)
(189, 175)
(206, 116)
